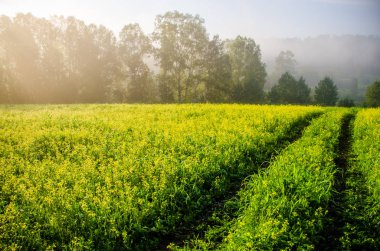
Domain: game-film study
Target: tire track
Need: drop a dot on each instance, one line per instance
(335, 220)
(225, 209)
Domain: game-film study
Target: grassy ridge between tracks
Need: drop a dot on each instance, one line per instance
(362, 196)
(284, 206)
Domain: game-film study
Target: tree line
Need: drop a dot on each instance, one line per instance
(64, 60)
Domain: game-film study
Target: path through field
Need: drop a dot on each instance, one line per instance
(225, 208)
(335, 218)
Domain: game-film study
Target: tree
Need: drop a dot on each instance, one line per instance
(346, 102)
(248, 72)
(90, 64)
(218, 72)
(373, 94)
(98, 63)
(326, 92)
(290, 91)
(59, 60)
(285, 62)
(5, 84)
(303, 91)
(134, 45)
(21, 55)
(181, 40)
(52, 69)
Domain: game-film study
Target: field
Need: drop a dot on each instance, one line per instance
(206, 177)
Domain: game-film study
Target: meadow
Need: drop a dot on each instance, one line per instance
(194, 177)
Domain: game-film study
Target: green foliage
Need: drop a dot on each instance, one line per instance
(346, 102)
(326, 92)
(285, 205)
(218, 74)
(114, 177)
(248, 71)
(62, 60)
(182, 41)
(134, 45)
(123, 177)
(362, 212)
(373, 95)
(290, 91)
(284, 62)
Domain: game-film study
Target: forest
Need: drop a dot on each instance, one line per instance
(64, 60)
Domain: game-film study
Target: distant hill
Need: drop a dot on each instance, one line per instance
(353, 62)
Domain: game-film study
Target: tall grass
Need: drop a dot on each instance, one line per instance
(362, 198)
(123, 176)
(285, 205)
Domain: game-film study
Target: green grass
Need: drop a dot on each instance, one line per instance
(126, 176)
(143, 177)
(362, 197)
(284, 206)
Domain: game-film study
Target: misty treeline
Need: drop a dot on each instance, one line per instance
(64, 60)
(352, 61)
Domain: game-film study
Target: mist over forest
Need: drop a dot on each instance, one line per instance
(352, 61)
(64, 60)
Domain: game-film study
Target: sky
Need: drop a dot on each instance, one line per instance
(227, 18)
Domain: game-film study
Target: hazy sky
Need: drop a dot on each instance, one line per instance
(228, 18)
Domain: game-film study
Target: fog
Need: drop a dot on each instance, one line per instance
(348, 59)
(66, 60)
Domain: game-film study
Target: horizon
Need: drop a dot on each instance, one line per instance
(257, 19)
